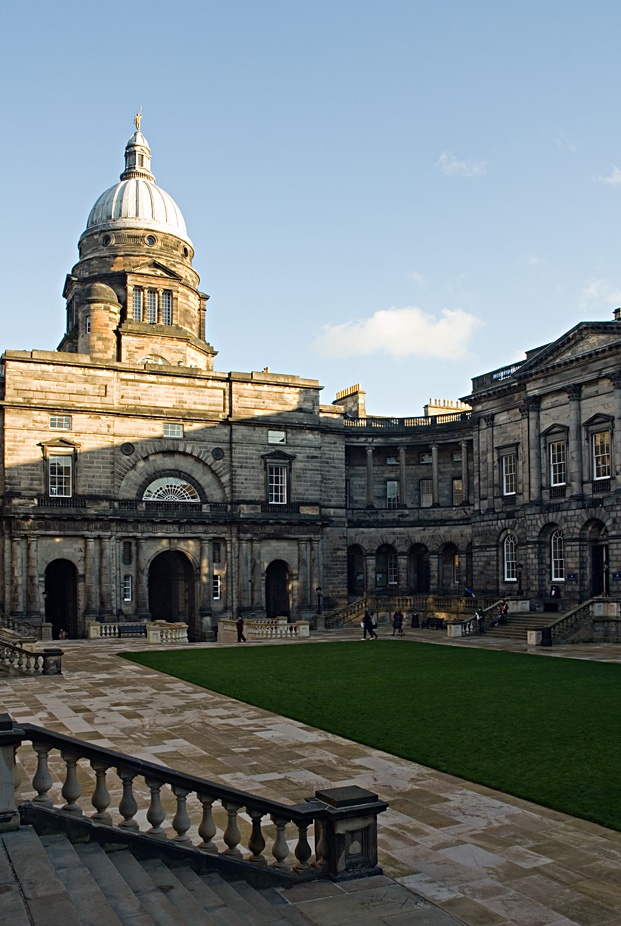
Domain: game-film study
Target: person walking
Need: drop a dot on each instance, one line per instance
(368, 626)
(239, 626)
(480, 619)
(397, 624)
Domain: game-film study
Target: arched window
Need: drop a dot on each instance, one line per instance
(510, 558)
(557, 557)
(170, 489)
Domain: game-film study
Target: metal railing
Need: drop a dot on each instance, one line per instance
(421, 421)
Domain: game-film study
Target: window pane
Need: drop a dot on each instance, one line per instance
(426, 493)
(216, 588)
(558, 463)
(392, 493)
(509, 474)
(557, 557)
(458, 492)
(393, 569)
(60, 422)
(137, 304)
(510, 558)
(601, 455)
(173, 430)
(276, 484)
(167, 307)
(127, 588)
(60, 475)
(152, 306)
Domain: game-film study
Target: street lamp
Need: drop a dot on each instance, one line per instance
(318, 590)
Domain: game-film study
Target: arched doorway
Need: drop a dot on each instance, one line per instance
(419, 573)
(355, 571)
(61, 597)
(171, 588)
(598, 555)
(277, 589)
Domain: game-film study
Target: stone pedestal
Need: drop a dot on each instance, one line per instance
(350, 834)
(10, 737)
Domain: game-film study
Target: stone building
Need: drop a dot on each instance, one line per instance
(140, 482)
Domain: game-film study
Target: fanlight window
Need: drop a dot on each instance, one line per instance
(170, 489)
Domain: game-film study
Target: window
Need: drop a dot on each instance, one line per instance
(87, 324)
(216, 552)
(277, 483)
(152, 306)
(138, 300)
(425, 458)
(456, 456)
(386, 567)
(167, 307)
(557, 557)
(127, 588)
(60, 471)
(126, 553)
(458, 491)
(393, 569)
(60, 422)
(392, 461)
(392, 493)
(558, 462)
(426, 493)
(601, 455)
(510, 558)
(173, 430)
(170, 489)
(216, 588)
(276, 437)
(508, 468)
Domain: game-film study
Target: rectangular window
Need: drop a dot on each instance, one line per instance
(276, 437)
(508, 464)
(87, 324)
(392, 461)
(456, 456)
(393, 569)
(426, 493)
(60, 422)
(216, 552)
(558, 462)
(167, 307)
(173, 430)
(216, 588)
(60, 472)
(601, 455)
(425, 458)
(276, 484)
(152, 306)
(392, 493)
(458, 492)
(127, 588)
(137, 303)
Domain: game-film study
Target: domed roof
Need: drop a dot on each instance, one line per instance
(136, 201)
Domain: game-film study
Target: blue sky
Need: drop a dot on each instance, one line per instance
(401, 194)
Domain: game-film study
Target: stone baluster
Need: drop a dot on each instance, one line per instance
(280, 849)
(181, 822)
(256, 843)
(232, 836)
(101, 796)
(127, 805)
(302, 850)
(42, 780)
(71, 789)
(156, 813)
(207, 828)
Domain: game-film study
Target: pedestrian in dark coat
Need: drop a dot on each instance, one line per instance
(397, 624)
(368, 626)
(239, 625)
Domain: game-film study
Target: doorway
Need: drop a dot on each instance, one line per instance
(277, 589)
(171, 587)
(61, 598)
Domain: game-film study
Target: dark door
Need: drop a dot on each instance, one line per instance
(170, 587)
(277, 589)
(61, 599)
(599, 569)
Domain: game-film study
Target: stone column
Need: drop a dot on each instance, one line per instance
(477, 465)
(371, 573)
(255, 569)
(615, 379)
(18, 577)
(105, 578)
(533, 406)
(204, 583)
(142, 580)
(435, 478)
(489, 465)
(370, 502)
(465, 483)
(7, 570)
(402, 487)
(243, 574)
(574, 393)
(228, 593)
(34, 596)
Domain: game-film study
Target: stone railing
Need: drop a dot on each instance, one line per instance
(25, 629)
(418, 604)
(560, 629)
(154, 631)
(349, 614)
(31, 661)
(276, 628)
(420, 421)
(184, 811)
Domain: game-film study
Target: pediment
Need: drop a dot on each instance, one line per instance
(160, 269)
(555, 430)
(585, 339)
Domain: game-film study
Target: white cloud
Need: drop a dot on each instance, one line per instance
(453, 167)
(614, 177)
(530, 260)
(401, 333)
(600, 293)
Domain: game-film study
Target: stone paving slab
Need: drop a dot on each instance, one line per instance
(481, 857)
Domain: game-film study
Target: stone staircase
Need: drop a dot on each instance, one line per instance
(48, 881)
(520, 622)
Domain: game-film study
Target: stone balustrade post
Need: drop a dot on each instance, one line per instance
(10, 737)
(349, 837)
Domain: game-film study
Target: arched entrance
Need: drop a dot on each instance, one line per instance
(171, 588)
(355, 571)
(61, 597)
(419, 573)
(277, 589)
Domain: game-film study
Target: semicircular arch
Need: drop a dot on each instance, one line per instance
(174, 464)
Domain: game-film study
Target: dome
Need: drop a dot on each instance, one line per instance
(136, 201)
(100, 292)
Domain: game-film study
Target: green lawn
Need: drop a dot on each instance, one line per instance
(545, 729)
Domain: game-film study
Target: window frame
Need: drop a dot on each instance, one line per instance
(138, 303)
(425, 495)
(64, 481)
(392, 493)
(557, 556)
(555, 444)
(55, 424)
(457, 493)
(173, 430)
(278, 477)
(510, 558)
(128, 588)
(601, 470)
(508, 476)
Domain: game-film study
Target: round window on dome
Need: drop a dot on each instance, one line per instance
(151, 240)
(185, 252)
(107, 240)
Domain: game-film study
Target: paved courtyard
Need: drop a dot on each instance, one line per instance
(480, 856)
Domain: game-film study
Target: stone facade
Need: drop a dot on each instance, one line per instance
(140, 483)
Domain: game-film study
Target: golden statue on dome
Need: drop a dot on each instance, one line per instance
(138, 119)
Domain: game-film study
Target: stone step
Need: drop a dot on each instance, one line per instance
(208, 898)
(250, 906)
(196, 906)
(12, 903)
(153, 898)
(126, 906)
